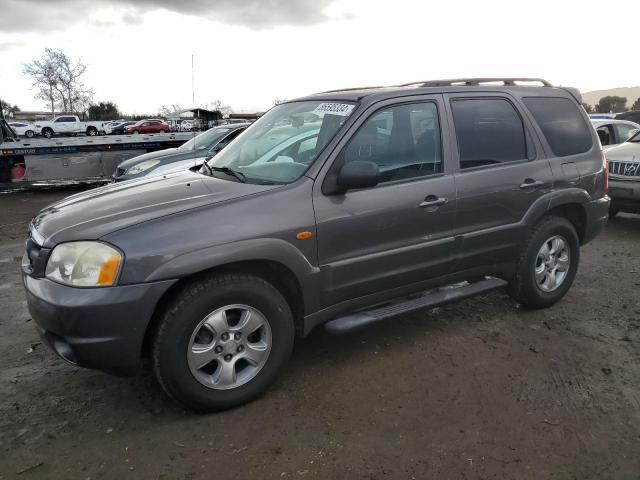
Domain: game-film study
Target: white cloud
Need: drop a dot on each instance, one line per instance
(340, 44)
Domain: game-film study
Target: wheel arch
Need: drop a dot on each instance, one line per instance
(568, 203)
(276, 273)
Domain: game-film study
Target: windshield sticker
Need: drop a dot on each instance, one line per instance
(342, 109)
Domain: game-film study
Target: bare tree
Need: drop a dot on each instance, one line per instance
(8, 109)
(58, 80)
(169, 110)
(217, 105)
(73, 92)
(44, 77)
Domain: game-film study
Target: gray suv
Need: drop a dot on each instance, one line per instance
(343, 208)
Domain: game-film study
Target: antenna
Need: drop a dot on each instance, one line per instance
(193, 106)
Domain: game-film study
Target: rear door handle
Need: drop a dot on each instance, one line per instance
(531, 183)
(433, 201)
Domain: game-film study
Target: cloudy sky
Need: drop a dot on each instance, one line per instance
(250, 52)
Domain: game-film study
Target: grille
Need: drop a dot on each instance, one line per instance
(624, 169)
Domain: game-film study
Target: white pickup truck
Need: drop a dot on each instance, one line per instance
(68, 125)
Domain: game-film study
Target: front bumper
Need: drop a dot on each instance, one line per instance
(101, 328)
(625, 195)
(597, 214)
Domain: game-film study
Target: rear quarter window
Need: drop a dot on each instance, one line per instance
(562, 124)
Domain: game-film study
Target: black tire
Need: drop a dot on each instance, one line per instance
(613, 212)
(92, 131)
(29, 134)
(524, 287)
(189, 307)
(47, 133)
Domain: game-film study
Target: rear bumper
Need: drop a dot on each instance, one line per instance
(101, 328)
(625, 195)
(597, 214)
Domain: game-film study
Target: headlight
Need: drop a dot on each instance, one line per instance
(141, 167)
(84, 264)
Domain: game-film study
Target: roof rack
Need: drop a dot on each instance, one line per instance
(352, 89)
(456, 82)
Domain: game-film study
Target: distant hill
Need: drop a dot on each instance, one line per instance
(632, 94)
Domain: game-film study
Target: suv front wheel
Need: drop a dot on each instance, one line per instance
(548, 263)
(222, 341)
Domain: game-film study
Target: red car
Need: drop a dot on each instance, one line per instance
(148, 126)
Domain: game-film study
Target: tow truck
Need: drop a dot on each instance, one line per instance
(75, 159)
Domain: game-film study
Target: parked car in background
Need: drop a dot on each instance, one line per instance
(613, 131)
(600, 116)
(110, 125)
(68, 125)
(147, 126)
(187, 126)
(189, 154)
(632, 116)
(118, 129)
(215, 274)
(624, 176)
(23, 129)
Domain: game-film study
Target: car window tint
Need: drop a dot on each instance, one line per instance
(489, 131)
(404, 141)
(562, 124)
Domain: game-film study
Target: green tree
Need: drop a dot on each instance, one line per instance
(636, 104)
(612, 103)
(103, 111)
(588, 108)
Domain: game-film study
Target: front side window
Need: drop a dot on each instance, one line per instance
(489, 132)
(605, 134)
(204, 140)
(273, 149)
(404, 141)
(562, 124)
(625, 132)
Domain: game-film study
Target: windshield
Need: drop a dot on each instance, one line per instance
(205, 140)
(283, 143)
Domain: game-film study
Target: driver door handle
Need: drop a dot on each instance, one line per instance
(433, 201)
(531, 183)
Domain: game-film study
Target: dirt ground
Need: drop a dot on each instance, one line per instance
(477, 390)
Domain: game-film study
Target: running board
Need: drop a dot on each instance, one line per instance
(427, 299)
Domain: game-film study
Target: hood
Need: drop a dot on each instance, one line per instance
(146, 156)
(98, 212)
(625, 152)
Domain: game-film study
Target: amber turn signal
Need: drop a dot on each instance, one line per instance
(304, 235)
(109, 271)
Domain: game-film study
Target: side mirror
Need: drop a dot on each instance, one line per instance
(358, 174)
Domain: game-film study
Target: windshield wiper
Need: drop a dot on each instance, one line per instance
(234, 173)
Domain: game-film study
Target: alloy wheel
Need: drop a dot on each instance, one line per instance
(552, 264)
(229, 347)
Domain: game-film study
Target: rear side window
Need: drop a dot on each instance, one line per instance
(562, 124)
(489, 132)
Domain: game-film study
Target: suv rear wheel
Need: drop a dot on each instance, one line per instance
(548, 264)
(222, 341)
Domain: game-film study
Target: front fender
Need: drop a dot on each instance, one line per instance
(259, 249)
